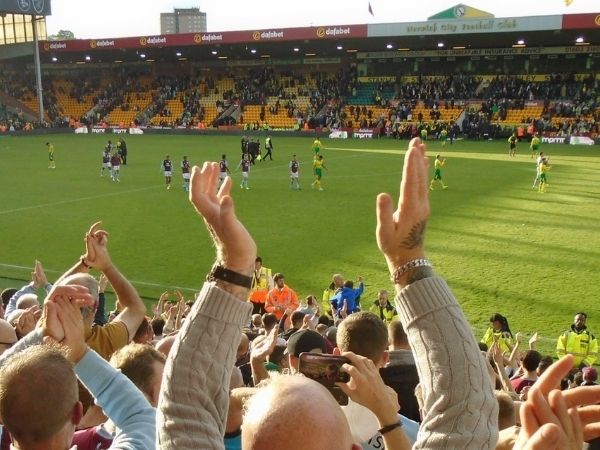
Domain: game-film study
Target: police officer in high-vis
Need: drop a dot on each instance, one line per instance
(579, 342)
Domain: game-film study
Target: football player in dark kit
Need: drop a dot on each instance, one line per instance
(167, 167)
(122, 146)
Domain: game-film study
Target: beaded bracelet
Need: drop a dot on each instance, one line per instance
(410, 265)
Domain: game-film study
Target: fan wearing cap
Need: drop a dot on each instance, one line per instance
(303, 341)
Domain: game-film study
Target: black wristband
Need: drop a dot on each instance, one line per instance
(389, 428)
(221, 273)
(83, 263)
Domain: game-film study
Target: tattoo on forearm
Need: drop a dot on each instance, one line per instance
(415, 236)
(419, 273)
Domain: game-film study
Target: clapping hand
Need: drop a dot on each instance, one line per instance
(38, 276)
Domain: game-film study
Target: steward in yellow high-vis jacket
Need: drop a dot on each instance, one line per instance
(579, 342)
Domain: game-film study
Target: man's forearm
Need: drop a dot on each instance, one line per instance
(460, 407)
(79, 267)
(128, 296)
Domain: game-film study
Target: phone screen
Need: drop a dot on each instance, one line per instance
(326, 370)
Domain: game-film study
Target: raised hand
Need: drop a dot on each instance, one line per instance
(102, 283)
(265, 347)
(26, 321)
(401, 233)
(96, 241)
(236, 249)
(38, 276)
(549, 417)
(532, 340)
(367, 388)
(49, 323)
(69, 315)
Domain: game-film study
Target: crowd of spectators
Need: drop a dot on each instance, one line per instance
(330, 94)
(207, 373)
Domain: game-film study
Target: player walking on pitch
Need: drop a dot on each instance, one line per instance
(185, 173)
(544, 167)
(318, 166)
(538, 163)
(245, 165)
(535, 144)
(223, 169)
(512, 145)
(52, 165)
(167, 167)
(294, 173)
(437, 175)
(115, 163)
(106, 163)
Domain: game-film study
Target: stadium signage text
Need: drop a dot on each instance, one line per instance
(333, 31)
(479, 52)
(257, 35)
(57, 45)
(553, 140)
(363, 133)
(210, 37)
(153, 40)
(102, 43)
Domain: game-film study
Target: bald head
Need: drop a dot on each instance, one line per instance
(8, 336)
(84, 279)
(271, 417)
(26, 301)
(165, 344)
(31, 410)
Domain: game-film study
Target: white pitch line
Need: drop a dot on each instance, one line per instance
(134, 282)
(75, 200)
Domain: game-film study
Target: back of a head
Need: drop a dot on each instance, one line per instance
(397, 335)
(138, 363)
(269, 321)
(297, 319)
(27, 301)
(38, 393)
(6, 294)
(158, 324)
(506, 410)
(89, 282)
(531, 360)
(364, 334)
(83, 279)
(271, 418)
(142, 335)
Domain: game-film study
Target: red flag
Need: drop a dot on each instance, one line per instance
(371, 10)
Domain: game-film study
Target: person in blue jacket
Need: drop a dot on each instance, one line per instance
(350, 296)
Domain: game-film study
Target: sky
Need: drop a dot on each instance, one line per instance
(120, 18)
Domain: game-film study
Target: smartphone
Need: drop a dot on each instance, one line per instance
(326, 370)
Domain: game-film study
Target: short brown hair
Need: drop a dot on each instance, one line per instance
(364, 334)
(136, 362)
(506, 410)
(30, 410)
(397, 333)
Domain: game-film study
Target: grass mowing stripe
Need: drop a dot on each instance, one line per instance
(75, 200)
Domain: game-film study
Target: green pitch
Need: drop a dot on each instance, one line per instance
(502, 246)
